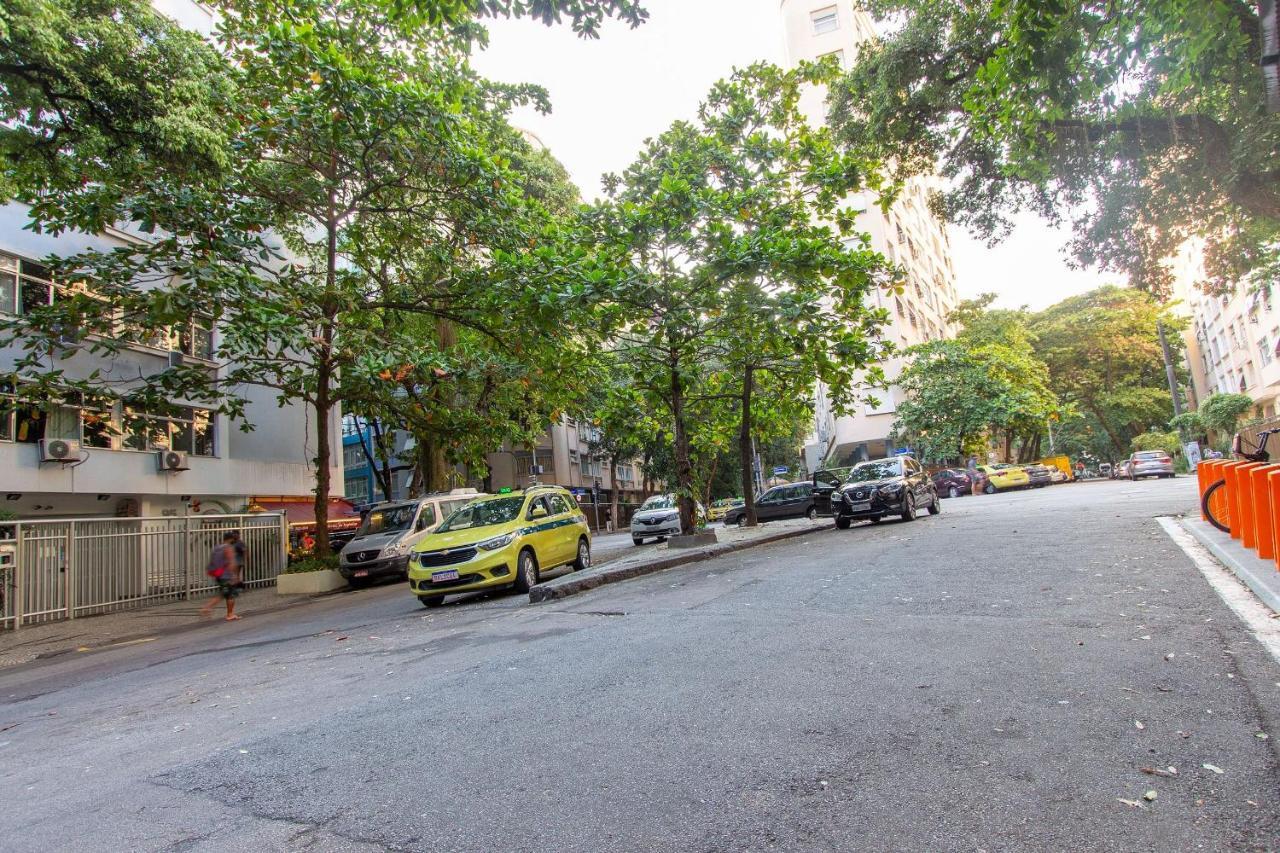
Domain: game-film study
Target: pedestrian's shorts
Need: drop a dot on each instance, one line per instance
(228, 589)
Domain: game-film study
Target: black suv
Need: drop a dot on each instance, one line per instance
(875, 489)
(790, 501)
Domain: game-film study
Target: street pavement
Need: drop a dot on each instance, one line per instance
(993, 678)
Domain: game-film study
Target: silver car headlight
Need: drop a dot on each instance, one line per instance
(496, 542)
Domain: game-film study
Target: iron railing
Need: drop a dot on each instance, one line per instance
(66, 568)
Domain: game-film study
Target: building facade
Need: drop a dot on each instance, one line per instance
(565, 458)
(124, 462)
(909, 235)
(1233, 339)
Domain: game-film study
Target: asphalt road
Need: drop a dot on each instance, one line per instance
(994, 678)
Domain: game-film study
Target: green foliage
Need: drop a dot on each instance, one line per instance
(1188, 423)
(1222, 412)
(1104, 359)
(987, 382)
(733, 268)
(1143, 124)
(313, 564)
(1166, 441)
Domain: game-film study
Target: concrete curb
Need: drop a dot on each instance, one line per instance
(573, 584)
(1257, 574)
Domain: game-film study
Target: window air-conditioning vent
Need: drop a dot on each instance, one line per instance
(171, 460)
(59, 450)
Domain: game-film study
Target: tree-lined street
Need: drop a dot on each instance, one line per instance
(995, 677)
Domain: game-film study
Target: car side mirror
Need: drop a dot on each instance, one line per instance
(538, 512)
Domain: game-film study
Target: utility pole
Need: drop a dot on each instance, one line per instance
(1168, 370)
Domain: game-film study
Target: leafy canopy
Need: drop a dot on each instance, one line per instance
(1144, 124)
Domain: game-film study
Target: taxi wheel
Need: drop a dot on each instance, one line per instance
(432, 600)
(584, 556)
(989, 489)
(526, 571)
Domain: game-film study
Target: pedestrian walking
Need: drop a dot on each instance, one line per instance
(224, 568)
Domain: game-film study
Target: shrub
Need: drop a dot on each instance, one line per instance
(312, 564)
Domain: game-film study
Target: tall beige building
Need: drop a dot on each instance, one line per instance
(909, 235)
(1233, 341)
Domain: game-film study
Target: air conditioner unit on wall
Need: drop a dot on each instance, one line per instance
(171, 460)
(59, 450)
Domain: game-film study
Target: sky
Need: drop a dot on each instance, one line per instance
(609, 95)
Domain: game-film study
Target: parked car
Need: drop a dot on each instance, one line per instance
(718, 508)
(658, 517)
(1150, 463)
(952, 482)
(1039, 475)
(389, 531)
(792, 500)
(883, 487)
(1121, 470)
(1057, 475)
(1004, 478)
(512, 539)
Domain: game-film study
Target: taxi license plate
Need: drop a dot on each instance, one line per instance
(362, 573)
(862, 506)
(450, 575)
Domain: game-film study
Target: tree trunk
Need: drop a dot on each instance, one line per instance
(382, 473)
(322, 406)
(613, 499)
(744, 448)
(684, 467)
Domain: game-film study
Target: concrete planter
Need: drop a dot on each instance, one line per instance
(309, 583)
(693, 540)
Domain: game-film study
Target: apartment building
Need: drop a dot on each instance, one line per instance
(564, 457)
(1233, 340)
(909, 235)
(72, 457)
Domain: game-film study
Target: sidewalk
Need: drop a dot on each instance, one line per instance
(128, 626)
(650, 560)
(1259, 575)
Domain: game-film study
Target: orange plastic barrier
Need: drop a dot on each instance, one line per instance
(1263, 511)
(1273, 489)
(1240, 506)
(1207, 474)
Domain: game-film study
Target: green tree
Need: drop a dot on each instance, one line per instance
(1105, 362)
(369, 194)
(987, 383)
(1222, 412)
(1145, 124)
(1156, 440)
(714, 232)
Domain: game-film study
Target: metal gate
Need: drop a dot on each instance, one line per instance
(64, 568)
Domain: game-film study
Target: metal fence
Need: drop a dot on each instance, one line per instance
(64, 568)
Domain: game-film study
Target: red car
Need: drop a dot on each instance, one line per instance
(954, 482)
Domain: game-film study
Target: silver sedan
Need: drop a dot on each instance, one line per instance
(1150, 463)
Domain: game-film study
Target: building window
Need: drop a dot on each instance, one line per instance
(187, 430)
(1264, 351)
(837, 55)
(91, 424)
(524, 462)
(357, 489)
(353, 456)
(24, 285)
(825, 20)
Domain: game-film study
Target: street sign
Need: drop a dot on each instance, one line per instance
(779, 470)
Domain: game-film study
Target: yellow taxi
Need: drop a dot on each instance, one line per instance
(1002, 478)
(718, 508)
(508, 539)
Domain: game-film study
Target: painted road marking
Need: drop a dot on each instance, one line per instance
(1253, 613)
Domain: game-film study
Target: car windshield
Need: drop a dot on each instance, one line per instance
(659, 502)
(1149, 454)
(387, 519)
(879, 470)
(483, 514)
(728, 502)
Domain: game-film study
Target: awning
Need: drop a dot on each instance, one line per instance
(301, 512)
